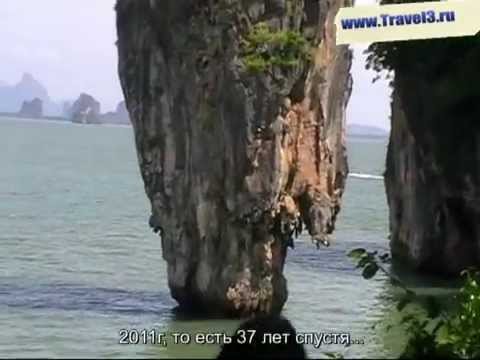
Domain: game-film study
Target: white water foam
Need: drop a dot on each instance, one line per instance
(365, 176)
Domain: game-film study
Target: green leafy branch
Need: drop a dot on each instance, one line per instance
(442, 334)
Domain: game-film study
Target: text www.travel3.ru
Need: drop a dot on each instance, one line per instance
(386, 20)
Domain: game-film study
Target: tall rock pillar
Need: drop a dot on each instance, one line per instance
(240, 138)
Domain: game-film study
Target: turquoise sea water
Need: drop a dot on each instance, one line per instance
(78, 262)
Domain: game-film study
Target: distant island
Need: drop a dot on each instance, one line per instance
(358, 130)
(27, 89)
(86, 110)
(29, 99)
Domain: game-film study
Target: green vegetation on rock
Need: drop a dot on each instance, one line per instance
(263, 48)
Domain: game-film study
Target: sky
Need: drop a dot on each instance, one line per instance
(71, 49)
(69, 46)
(370, 102)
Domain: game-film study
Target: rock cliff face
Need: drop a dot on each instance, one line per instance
(86, 110)
(432, 177)
(32, 109)
(235, 160)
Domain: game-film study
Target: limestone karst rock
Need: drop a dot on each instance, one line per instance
(237, 150)
(119, 117)
(86, 110)
(28, 88)
(122, 112)
(432, 177)
(32, 109)
(66, 109)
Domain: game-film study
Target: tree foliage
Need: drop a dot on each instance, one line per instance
(442, 333)
(431, 58)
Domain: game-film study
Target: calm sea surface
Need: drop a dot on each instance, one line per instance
(78, 262)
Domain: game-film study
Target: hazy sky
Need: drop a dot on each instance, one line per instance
(67, 45)
(370, 103)
(70, 47)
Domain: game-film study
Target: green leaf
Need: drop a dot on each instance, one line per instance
(364, 261)
(357, 253)
(439, 327)
(404, 301)
(407, 319)
(433, 307)
(370, 270)
(384, 257)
